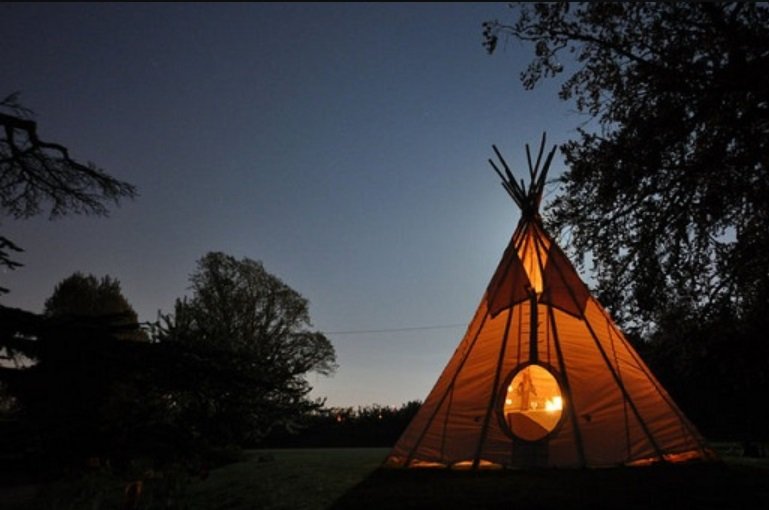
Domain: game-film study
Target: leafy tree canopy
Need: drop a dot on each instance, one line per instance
(256, 329)
(667, 187)
(86, 296)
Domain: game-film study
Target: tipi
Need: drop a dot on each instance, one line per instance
(543, 376)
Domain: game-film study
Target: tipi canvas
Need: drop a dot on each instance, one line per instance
(543, 376)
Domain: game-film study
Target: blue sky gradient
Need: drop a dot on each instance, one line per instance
(343, 145)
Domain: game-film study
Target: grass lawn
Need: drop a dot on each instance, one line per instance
(305, 479)
(336, 479)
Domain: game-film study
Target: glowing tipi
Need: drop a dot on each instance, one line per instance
(543, 376)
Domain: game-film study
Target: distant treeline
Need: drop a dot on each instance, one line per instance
(367, 426)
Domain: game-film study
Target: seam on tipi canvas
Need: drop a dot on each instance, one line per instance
(567, 388)
(494, 389)
(610, 333)
(451, 387)
(446, 423)
(690, 430)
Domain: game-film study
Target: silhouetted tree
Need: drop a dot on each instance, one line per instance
(254, 332)
(80, 297)
(66, 376)
(669, 196)
(82, 391)
(38, 176)
(667, 186)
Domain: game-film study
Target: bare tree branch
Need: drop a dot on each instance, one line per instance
(38, 176)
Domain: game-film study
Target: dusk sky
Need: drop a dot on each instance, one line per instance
(343, 145)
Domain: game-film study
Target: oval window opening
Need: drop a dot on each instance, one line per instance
(533, 403)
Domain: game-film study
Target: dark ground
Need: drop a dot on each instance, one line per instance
(701, 486)
(351, 478)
